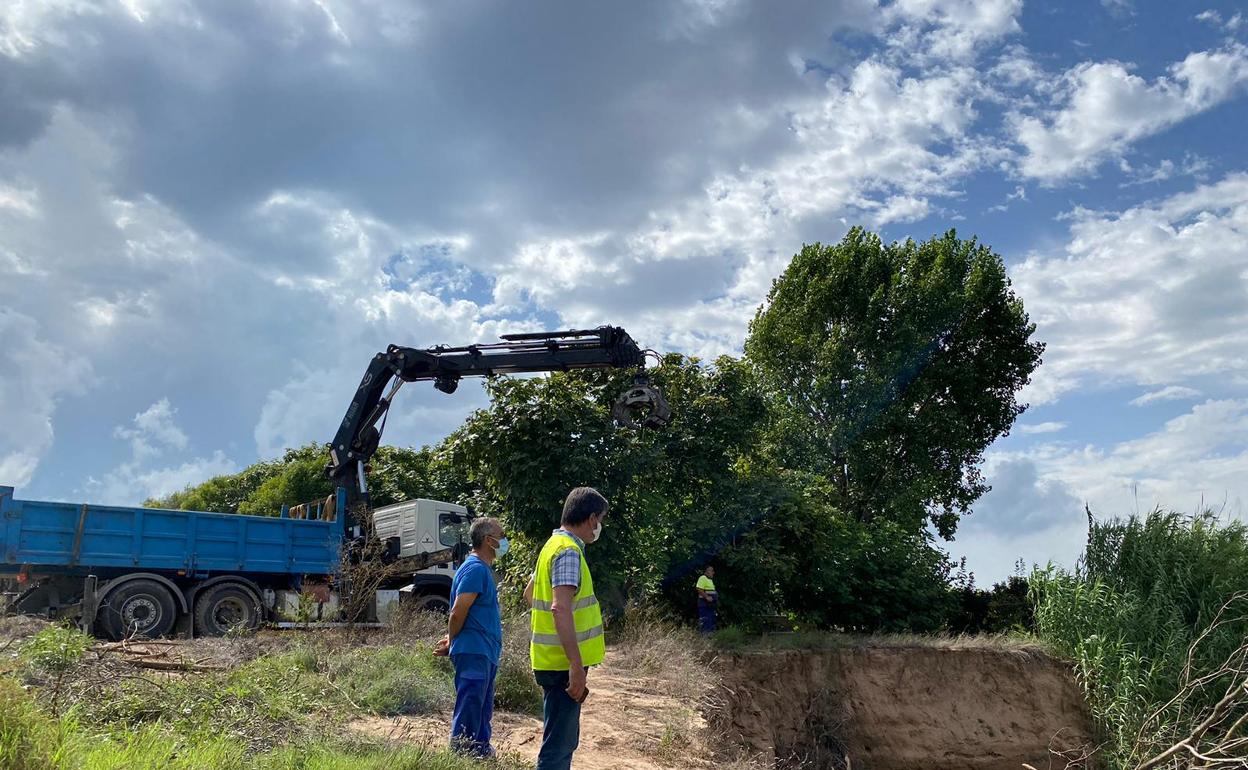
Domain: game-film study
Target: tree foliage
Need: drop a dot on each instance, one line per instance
(893, 366)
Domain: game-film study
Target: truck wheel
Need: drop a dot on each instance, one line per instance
(137, 608)
(433, 603)
(226, 608)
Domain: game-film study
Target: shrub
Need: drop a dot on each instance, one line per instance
(1129, 615)
(515, 689)
(53, 651)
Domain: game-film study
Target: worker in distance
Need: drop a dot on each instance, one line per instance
(708, 600)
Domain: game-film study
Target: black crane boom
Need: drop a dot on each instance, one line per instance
(359, 434)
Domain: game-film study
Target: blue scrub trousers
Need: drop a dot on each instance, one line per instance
(474, 704)
(706, 616)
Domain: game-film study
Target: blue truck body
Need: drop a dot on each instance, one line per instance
(128, 571)
(152, 571)
(36, 536)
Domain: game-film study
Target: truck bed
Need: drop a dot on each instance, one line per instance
(82, 537)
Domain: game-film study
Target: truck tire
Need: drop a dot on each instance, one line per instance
(137, 608)
(432, 603)
(224, 608)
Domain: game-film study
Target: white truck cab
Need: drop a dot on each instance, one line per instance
(424, 526)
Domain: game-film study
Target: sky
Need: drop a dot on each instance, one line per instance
(213, 214)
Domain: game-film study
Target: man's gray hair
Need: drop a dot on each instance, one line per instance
(481, 529)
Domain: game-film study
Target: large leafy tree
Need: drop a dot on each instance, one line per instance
(893, 367)
(676, 494)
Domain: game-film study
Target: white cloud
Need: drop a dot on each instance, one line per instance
(152, 434)
(1102, 107)
(1195, 459)
(878, 146)
(1191, 165)
(1041, 427)
(153, 431)
(1168, 393)
(951, 29)
(1152, 296)
(37, 374)
(1036, 507)
(1213, 17)
(1025, 515)
(131, 483)
(24, 202)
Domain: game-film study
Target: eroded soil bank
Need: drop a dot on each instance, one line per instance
(900, 708)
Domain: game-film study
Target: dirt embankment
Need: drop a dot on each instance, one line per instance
(899, 708)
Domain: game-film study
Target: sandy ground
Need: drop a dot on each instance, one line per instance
(626, 724)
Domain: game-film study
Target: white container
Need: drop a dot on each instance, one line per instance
(288, 607)
(387, 603)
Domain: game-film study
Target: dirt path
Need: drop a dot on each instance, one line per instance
(626, 724)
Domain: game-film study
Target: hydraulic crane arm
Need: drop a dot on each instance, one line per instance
(605, 347)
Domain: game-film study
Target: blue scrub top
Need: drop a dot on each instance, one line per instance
(482, 633)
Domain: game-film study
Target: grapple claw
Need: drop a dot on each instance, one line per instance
(641, 405)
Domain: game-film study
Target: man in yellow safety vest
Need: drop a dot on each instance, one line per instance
(566, 625)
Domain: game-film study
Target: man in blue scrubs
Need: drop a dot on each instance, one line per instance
(474, 639)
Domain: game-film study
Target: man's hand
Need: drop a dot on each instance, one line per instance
(443, 647)
(576, 683)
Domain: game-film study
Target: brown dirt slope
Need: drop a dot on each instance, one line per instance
(895, 708)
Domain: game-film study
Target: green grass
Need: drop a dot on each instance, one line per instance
(31, 739)
(393, 680)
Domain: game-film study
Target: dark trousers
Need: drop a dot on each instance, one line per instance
(706, 617)
(474, 708)
(561, 721)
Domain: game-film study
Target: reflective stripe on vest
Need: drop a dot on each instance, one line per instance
(545, 651)
(579, 604)
(580, 637)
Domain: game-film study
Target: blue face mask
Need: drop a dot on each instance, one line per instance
(503, 546)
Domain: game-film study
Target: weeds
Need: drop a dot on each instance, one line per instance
(1130, 615)
(29, 739)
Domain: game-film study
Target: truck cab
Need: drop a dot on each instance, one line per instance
(425, 526)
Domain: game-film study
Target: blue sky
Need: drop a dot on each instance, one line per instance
(211, 215)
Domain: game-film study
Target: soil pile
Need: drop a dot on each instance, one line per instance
(895, 708)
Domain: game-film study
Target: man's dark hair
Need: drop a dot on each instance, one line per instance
(582, 503)
(481, 529)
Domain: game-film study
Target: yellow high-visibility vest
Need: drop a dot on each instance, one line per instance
(545, 651)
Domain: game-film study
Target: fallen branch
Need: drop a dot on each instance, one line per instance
(172, 665)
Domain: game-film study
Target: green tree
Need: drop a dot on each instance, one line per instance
(673, 492)
(892, 368)
(220, 494)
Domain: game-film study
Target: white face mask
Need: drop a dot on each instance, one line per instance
(597, 532)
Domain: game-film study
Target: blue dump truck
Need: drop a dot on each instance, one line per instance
(126, 572)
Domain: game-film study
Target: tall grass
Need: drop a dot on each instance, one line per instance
(32, 739)
(1128, 615)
